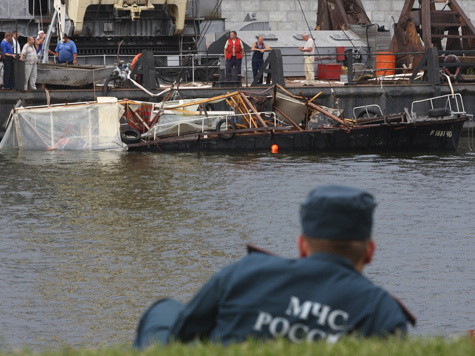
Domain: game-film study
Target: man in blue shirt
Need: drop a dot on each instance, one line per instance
(9, 57)
(66, 51)
(321, 296)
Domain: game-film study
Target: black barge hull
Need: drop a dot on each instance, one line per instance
(421, 136)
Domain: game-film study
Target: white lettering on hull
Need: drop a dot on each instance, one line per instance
(441, 133)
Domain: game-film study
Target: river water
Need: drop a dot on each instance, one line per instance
(90, 239)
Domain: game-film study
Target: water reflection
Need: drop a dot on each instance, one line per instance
(91, 238)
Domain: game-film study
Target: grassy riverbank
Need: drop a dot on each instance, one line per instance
(348, 347)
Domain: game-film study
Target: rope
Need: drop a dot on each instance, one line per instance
(41, 14)
(310, 31)
(471, 135)
(449, 81)
(187, 61)
(94, 83)
(367, 42)
(335, 98)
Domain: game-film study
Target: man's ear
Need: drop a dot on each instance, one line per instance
(302, 245)
(370, 248)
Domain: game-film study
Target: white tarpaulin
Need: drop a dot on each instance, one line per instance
(93, 126)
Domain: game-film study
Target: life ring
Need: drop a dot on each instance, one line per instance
(138, 77)
(134, 61)
(227, 124)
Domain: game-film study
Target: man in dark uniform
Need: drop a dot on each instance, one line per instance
(322, 295)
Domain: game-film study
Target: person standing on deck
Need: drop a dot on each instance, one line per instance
(309, 50)
(233, 52)
(66, 51)
(28, 54)
(1, 68)
(258, 49)
(9, 57)
(39, 43)
(321, 296)
(15, 44)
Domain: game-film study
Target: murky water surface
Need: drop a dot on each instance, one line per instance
(89, 239)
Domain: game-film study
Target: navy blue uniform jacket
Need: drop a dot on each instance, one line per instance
(305, 299)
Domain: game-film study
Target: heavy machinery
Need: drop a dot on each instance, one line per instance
(99, 26)
(422, 25)
(339, 14)
(431, 23)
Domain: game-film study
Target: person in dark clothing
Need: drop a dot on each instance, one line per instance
(452, 67)
(258, 49)
(9, 57)
(16, 43)
(321, 296)
(1, 68)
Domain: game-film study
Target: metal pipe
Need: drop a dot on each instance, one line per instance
(106, 84)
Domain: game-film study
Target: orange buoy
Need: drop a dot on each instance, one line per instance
(274, 148)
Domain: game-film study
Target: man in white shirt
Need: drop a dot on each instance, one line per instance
(309, 50)
(30, 58)
(15, 45)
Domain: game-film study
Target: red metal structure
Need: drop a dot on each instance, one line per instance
(338, 14)
(427, 25)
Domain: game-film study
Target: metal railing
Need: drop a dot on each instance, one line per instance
(206, 67)
(366, 109)
(251, 117)
(453, 102)
(205, 123)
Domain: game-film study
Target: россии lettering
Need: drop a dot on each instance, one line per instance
(329, 324)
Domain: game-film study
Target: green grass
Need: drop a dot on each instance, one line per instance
(346, 347)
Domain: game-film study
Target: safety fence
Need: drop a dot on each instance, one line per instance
(350, 67)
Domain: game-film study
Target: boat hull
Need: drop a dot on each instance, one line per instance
(73, 76)
(430, 135)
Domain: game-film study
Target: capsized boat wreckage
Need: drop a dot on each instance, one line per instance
(79, 126)
(293, 123)
(296, 123)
